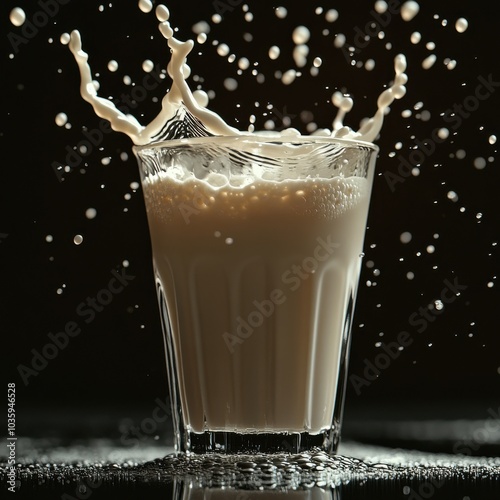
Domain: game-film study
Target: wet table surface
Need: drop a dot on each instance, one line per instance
(102, 468)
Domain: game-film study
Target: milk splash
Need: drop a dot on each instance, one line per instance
(184, 113)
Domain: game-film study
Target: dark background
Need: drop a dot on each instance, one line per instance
(115, 367)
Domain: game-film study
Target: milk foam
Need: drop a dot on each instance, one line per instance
(327, 199)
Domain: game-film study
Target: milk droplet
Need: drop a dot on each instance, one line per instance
(90, 213)
(409, 10)
(450, 63)
(162, 13)
(460, 154)
(223, 50)
(244, 63)
(431, 248)
(280, 12)
(429, 61)
(230, 84)
(112, 66)
(147, 65)
(64, 38)
(301, 35)
(452, 196)
(201, 38)
(49, 238)
(134, 186)
(479, 162)
(146, 6)
(201, 27)
(492, 139)
(461, 25)
(339, 41)
(331, 15)
(274, 52)
(17, 16)
(425, 116)
(410, 275)
(300, 53)
(289, 76)
(78, 239)
(443, 133)
(125, 263)
(405, 237)
(370, 64)
(415, 37)
(317, 62)
(381, 6)
(61, 119)
(229, 241)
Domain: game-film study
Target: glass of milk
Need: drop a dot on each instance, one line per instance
(257, 245)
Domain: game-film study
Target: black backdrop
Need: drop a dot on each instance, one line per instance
(115, 366)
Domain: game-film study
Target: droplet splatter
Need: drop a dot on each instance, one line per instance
(409, 10)
(17, 16)
(405, 237)
(90, 213)
(461, 25)
(61, 119)
(479, 163)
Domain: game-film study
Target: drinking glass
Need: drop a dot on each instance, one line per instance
(257, 244)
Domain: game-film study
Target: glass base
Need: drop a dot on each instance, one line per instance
(233, 442)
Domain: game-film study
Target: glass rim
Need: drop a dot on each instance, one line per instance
(256, 138)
